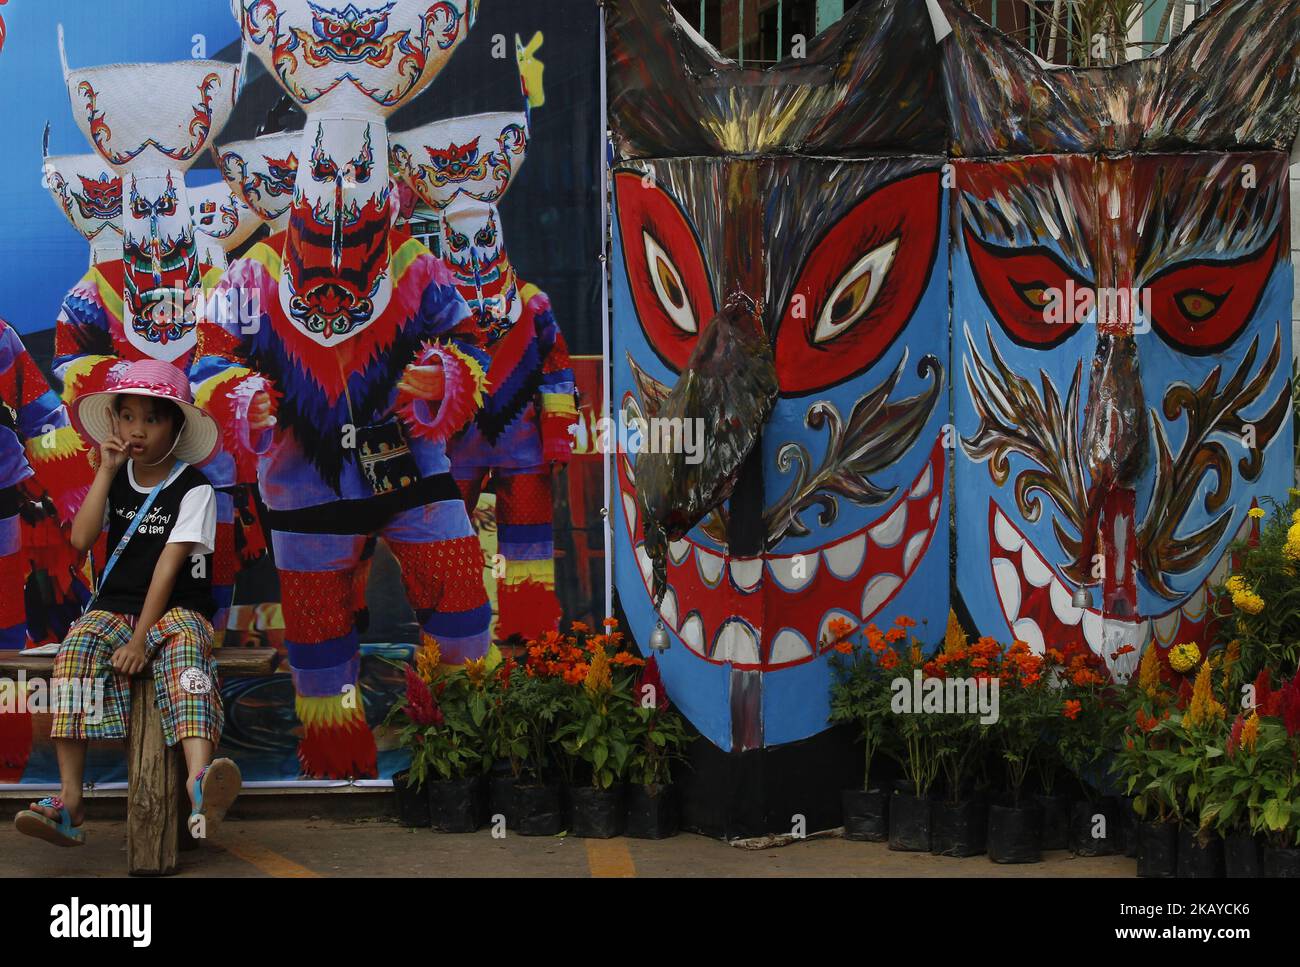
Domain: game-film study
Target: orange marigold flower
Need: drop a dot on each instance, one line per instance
(1121, 652)
(1055, 657)
(579, 627)
(610, 622)
(627, 659)
(903, 621)
(895, 635)
(1072, 708)
(844, 647)
(840, 628)
(888, 659)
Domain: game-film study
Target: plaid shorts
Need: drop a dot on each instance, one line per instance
(93, 702)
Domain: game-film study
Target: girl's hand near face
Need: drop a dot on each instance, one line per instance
(112, 452)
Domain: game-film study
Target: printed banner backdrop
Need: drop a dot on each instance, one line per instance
(545, 242)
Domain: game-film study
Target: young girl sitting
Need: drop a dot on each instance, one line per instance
(154, 600)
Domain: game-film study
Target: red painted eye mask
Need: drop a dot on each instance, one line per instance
(1016, 284)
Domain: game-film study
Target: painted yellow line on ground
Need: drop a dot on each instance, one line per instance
(268, 861)
(609, 858)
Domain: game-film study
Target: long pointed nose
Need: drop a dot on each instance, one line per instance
(723, 396)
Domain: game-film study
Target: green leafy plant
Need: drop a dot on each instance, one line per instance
(657, 731)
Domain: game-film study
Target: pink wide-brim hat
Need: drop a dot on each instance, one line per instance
(92, 414)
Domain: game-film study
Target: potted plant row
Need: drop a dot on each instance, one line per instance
(578, 734)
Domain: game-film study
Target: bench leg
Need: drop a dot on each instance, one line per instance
(156, 777)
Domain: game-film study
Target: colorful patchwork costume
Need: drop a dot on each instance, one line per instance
(462, 167)
(130, 308)
(346, 307)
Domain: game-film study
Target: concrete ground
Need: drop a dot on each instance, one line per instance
(315, 846)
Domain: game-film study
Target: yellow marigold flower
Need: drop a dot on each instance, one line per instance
(1250, 732)
(1184, 656)
(1256, 512)
(1291, 549)
(1295, 514)
(598, 675)
(428, 658)
(1235, 584)
(1149, 672)
(1249, 602)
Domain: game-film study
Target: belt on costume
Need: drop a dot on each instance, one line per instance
(363, 515)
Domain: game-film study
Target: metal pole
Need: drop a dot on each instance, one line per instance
(701, 18)
(606, 322)
(741, 33)
(780, 26)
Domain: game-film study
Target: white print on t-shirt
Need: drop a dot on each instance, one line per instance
(155, 522)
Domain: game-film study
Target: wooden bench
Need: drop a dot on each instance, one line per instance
(158, 805)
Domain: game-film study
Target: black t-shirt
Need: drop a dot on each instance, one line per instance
(183, 512)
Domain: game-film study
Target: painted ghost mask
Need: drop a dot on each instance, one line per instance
(89, 193)
(770, 218)
(150, 122)
(221, 220)
(262, 172)
(461, 168)
(349, 68)
(1121, 298)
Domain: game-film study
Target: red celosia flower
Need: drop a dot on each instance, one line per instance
(650, 676)
(1234, 737)
(420, 707)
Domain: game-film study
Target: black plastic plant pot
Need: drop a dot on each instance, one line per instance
(596, 813)
(456, 805)
(1197, 862)
(958, 829)
(1241, 856)
(538, 810)
(1014, 833)
(412, 804)
(501, 798)
(909, 822)
(1131, 823)
(866, 814)
(1157, 850)
(1281, 864)
(652, 812)
(1056, 821)
(1096, 828)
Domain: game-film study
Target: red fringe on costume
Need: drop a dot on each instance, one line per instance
(342, 751)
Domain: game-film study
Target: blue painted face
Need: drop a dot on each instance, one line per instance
(1125, 396)
(853, 297)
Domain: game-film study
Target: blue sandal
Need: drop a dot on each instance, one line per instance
(62, 833)
(215, 789)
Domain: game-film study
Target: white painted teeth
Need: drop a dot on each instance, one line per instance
(1007, 536)
(934, 509)
(1007, 580)
(1092, 630)
(913, 550)
(890, 531)
(745, 571)
(736, 643)
(679, 551)
(647, 567)
(629, 512)
(789, 646)
(1062, 605)
(710, 565)
(1027, 630)
(692, 632)
(1035, 571)
(845, 558)
(784, 570)
(877, 592)
(1194, 606)
(923, 485)
(1167, 625)
(668, 608)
